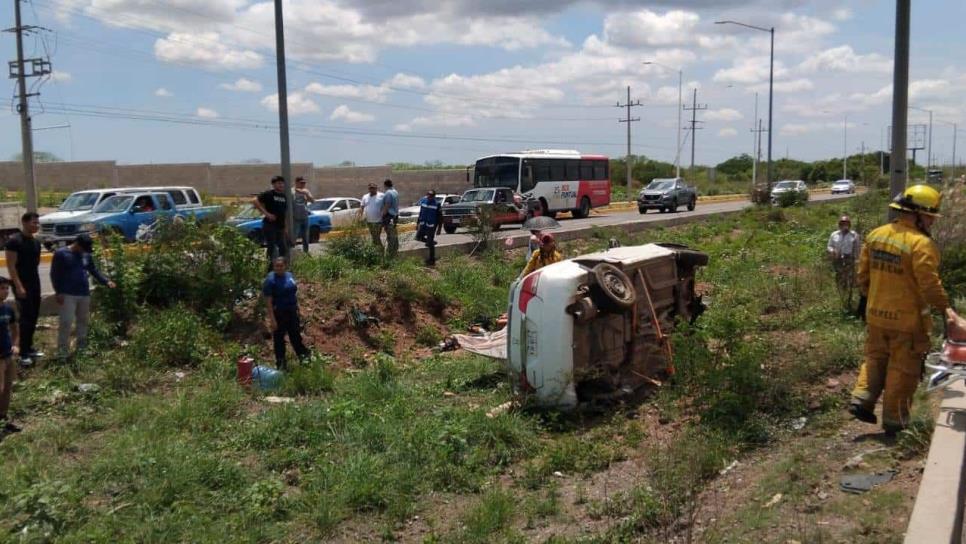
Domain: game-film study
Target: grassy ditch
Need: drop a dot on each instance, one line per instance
(385, 440)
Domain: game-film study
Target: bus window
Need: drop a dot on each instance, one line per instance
(541, 170)
(600, 170)
(557, 170)
(586, 170)
(528, 176)
(497, 172)
(573, 170)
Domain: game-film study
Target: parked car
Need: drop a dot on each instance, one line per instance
(409, 214)
(592, 327)
(667, 195)
(843, 186)
(125, 213)
(502, 204)
(57, 228)
(341, 211)
(249, 221)
(788, 192)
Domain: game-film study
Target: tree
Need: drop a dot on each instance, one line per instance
(738, 167)
(39, 156)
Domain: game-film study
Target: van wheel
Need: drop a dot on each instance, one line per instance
(450, 229)
(692, 203)
(584, 209)
(615, 284)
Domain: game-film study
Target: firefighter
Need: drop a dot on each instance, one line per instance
(899, 273)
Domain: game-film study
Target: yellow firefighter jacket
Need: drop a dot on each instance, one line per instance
(899, 273)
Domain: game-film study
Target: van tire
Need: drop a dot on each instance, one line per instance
(584, 209)
(615, 284)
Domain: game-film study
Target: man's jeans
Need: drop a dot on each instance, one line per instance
(276, 244)
(302, 230)
(392, 236)
(74, 307)
(375, 232)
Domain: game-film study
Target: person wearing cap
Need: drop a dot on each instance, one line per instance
(547, 254)
(371, 211)
(899, 275)
(301, 199)
(429, 223)
(843, 249)
(69, 275)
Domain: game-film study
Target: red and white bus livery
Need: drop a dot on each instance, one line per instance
(559, 179)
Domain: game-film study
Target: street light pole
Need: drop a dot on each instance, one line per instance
(845, 147)
(771, 85)
(677, 154)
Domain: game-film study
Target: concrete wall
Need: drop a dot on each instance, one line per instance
(231, 179)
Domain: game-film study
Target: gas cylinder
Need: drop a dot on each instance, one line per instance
(245, 364)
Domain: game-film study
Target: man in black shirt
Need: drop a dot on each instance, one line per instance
(23, 259)
(272, 204)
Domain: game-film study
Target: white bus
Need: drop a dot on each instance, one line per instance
(561, 180)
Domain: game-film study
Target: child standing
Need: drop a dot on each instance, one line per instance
(9, 336)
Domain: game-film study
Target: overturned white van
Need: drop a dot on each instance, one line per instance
(597, 326)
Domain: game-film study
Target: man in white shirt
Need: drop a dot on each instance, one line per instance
(844, 247)
(372, 211)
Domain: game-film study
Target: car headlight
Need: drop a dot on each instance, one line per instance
(88, 227)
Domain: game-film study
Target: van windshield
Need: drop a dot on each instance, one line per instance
(118, 203)
(79, 201)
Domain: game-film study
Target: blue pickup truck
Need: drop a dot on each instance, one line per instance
(125, 213)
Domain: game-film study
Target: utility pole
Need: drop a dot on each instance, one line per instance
(283, 120)
(953, 173)
(18, 70)
(754, 153)
(845, 147)
(694, 109)
(628, 120)
(900, 101)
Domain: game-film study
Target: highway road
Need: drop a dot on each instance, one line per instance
(597, 219)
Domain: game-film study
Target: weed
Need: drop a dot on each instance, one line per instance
(489, 521)
(429, 336)
(312, 378)
(172, 337)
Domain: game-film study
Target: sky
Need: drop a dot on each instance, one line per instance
(378, 81)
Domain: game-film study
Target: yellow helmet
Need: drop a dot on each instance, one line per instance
(919, 199)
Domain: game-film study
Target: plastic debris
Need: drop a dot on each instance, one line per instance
(861, 483)
(88, 387)
(266, 378)
(734, 464)
(774, 500)
(799, 423)
(501, 409)
(279, 400)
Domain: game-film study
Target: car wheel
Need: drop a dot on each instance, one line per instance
(642, 210)
(675, 206)
(545, 210)
(314, 234)
(584, 209)
(692, 203)
(615, 285)
(449, 229)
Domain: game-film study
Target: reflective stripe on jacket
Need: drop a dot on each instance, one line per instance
(429, 212)
(899, 272)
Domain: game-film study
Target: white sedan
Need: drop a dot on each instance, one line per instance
(411, 213)
(843, 186)
(343, 211)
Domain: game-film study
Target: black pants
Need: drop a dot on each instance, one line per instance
(275, 244)
(288, 322)
(427, 235)
(29, 310)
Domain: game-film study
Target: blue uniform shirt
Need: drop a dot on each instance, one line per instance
(392, 201)
(69, 270)
(282, 289)
(7, 318)
(429, 212)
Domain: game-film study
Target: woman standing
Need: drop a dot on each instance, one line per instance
(546, 255)
(280, 290)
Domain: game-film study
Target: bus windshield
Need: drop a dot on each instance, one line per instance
(497, 172)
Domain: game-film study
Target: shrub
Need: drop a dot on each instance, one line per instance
(356, 247)
(119, 307)
(170, 338)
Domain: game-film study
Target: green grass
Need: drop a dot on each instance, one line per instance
(154, 456)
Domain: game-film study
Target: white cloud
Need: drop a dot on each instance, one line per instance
(298, 104)
(163, 93)
(844, 59)
(645, 28)
(406, 81)
(749, 70)
(204, 50)
(58, 76)
(727, 132)
(243, 85)
(371, 93)
(842, 14)
(789, 87)
(206, 113)
(797, 129)
(723, 114)
(928, 88)
(344, 113)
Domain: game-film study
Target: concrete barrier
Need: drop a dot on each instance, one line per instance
(938, 513)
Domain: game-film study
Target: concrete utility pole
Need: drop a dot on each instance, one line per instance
(900, 101)
(845, 147)
(283, 120)
(18, 70)
(628, 120)
(754, 147)
(694, 109)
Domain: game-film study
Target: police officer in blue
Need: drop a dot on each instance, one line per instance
(429, 223)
